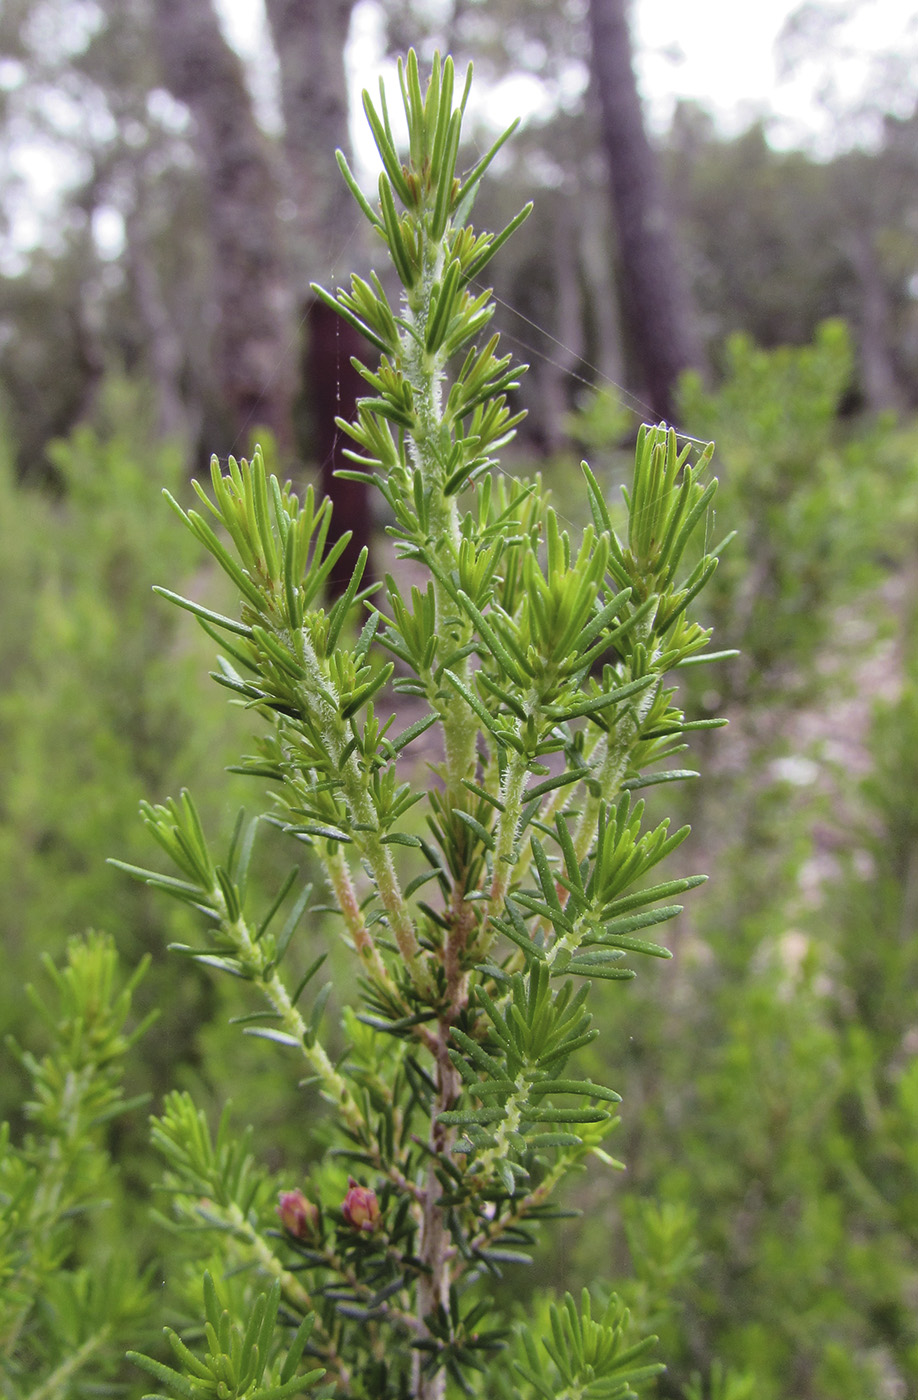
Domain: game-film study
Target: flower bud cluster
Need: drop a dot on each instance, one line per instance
(360, 1207)
(299, 1216)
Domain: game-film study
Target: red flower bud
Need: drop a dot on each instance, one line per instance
(360, 1207)
(298, 1216)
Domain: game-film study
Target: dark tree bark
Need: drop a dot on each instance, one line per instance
(877, 371)
(202, 71)
(654, 299)
(593, 233)
(327, 239)
(309, 39)
(161, 337)
(567, 350)
(334, 388)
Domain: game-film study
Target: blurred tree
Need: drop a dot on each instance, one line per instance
(857, 83)
(654, 299)
(109, 283)
(322, 221)
(781, 240)
(52, 363)
(218, 227)
(201, 70)
(309, 41)
(771, 242)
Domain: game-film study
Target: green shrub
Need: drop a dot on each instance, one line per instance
(478, 904)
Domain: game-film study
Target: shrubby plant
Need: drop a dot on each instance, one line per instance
(70, 1295)
(543, 667)
(480, 902)
(772, 1096)
(768, 1212)
(103, 696)
(822, 499)
(824, 502)
(103, 699)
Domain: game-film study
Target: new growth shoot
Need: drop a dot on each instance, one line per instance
(481, 900)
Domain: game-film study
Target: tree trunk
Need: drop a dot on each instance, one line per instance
(162, 340)
(654, 301)
(309, 40)
(566, 350)
(326, 229)
(334, 387)
(202, 71)
(878, 375)
(603, 309)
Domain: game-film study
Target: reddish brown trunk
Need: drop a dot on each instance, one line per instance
(309, 39)
(878, 375)
(334, 387)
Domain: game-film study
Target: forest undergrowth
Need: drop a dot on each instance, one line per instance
(767, 1227)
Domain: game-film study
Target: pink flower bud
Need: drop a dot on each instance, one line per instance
(298, 1216)
(360, 1207)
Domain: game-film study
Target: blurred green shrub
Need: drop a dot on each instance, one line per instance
(771, 1090)
(770, 1208)
(824, 506)
(71, 1293)
(104, 698)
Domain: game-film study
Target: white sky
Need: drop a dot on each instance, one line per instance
(719, 52)
(729, 60)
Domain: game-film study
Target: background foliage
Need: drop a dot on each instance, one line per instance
(766, 1226)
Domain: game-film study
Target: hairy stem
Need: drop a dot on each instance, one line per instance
(425, 373)
(317, 696)
(434, 1240)
(333, 1086)
(339, 875)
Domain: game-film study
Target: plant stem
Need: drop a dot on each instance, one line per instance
(334, 1086)
(58, 1383)
(361, 811)
(339, 875)
(425, 373)
(612, 764)
(434, 1240)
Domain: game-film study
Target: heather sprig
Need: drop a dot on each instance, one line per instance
(481, 896)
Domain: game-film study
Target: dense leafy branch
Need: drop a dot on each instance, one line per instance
(56, 1301)
(479, 910)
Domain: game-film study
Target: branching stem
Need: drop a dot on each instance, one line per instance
(339, 875)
